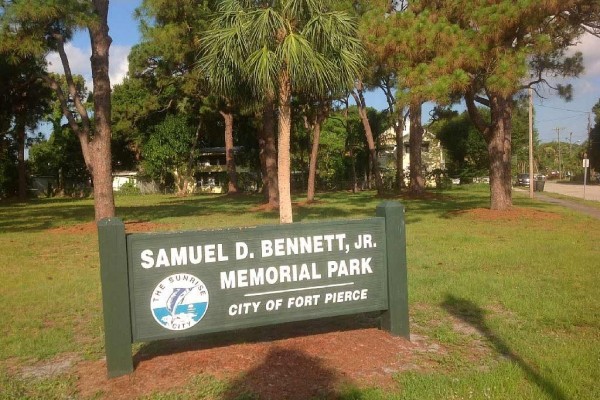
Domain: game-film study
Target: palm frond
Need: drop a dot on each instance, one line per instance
(331, 30)
(261, 68)
(265, 24)
(307, 67)
(301, 10)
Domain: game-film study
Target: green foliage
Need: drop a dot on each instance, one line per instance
(166, 57)
(60, 156)
(486, 51)
(128, 189)
(24, 99)
(521, 39)
(340, 134)
(168, 148)
(466, 147)
(547, 158)
(8, 167)
(316, 47)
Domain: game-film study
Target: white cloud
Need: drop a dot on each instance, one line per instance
(119, 65)
(588, 46)
(79, 60)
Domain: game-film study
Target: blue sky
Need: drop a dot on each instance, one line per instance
(551, 112)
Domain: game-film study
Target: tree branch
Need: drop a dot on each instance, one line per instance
(85, 120)
(474, 113)
(82, 135)
(482, 100)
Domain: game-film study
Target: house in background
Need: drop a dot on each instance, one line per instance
(211, 172)
(43, 186)
(431, 152)
(129, 178)
(210, 175)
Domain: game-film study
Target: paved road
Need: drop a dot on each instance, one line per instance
(592, 192)
(572, 190)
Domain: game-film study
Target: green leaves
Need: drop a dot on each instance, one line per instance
(318, 49)
(168, 148)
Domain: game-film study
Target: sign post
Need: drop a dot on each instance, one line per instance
(586, 165)
(115, 296)
(178, 284)
(395, 319)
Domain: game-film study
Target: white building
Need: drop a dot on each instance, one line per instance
(122, 178)
(431, 152)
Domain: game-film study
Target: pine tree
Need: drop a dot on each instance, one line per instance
(36, 27)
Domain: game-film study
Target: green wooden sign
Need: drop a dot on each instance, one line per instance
(177, 284)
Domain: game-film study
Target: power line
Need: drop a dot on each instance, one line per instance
(560, 119)
(564, 109)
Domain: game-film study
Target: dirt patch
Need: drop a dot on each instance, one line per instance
(269, 207)
(49, 368)
(514, 214)
(264, 208)
(426, 195)
(130, 227)
(311, 364)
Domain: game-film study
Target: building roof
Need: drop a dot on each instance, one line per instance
(207, 151)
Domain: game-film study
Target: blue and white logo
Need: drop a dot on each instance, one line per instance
(179, 302)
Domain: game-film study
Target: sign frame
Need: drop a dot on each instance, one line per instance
(127, 279)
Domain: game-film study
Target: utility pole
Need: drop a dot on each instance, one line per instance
(570, 143)
(569, 161)
(589, 128)
(559, 155)
(531, 183)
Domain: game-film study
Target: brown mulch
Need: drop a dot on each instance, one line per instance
(264, 207)
(278, 366)
(513, 214)
(130, 227)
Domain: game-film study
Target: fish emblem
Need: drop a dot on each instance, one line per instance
(179, 302)
(176, 298)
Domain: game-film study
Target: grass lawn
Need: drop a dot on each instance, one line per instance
(513, 298)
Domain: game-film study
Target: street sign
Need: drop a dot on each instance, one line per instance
(586, 163)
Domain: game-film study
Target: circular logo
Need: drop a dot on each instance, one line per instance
(179, 301)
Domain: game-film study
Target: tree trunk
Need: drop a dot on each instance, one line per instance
(61, 183)
(180, 182)
(283, 154)
(312, 166)
(399, 178)
(387, 87)
(192, 164)
(362, 112)
(499, 150)
(268, 154)
(100, 144)
(398, 130)
(232, 186)
(497, 135)
(263, 163)
(417, 182)
(21, 136)
(353, 171)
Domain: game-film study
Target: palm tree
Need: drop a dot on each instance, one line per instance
(284, 47)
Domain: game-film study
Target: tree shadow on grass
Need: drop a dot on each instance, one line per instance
(474, 315)
(285, 374)
(260, 334)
